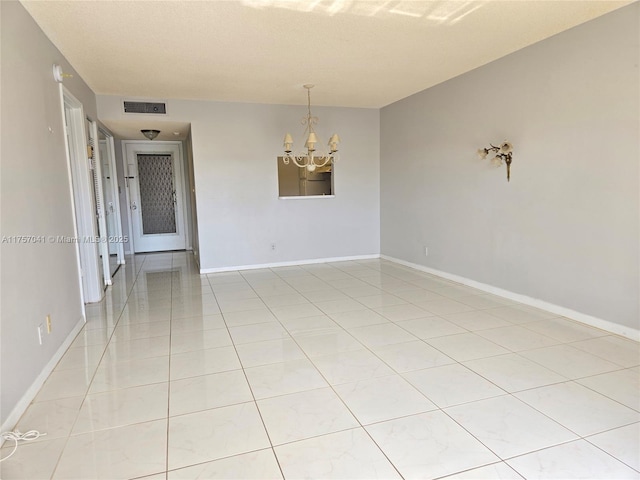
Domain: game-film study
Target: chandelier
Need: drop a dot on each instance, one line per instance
(311, 158)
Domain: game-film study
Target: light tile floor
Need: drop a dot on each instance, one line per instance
(361, 369)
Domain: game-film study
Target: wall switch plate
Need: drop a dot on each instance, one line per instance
(40, 329)
(426, 251)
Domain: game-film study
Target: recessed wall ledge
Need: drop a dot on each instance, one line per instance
(306, 197)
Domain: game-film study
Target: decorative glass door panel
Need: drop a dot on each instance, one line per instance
(157, 194)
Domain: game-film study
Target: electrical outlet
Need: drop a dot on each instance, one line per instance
(426, 251)
(40, 329)
(273, 246)
(49, 323)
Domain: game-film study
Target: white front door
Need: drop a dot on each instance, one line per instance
(156, 200)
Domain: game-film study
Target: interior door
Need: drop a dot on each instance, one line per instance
(155, 181)
(111, 190)
(109, 202)
(98, 194)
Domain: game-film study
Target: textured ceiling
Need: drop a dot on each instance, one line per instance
(366, 53)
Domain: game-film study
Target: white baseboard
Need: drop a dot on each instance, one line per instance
(30, 394)
(204, 271)
(600, 323)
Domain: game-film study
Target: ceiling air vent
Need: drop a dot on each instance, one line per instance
(145, 107)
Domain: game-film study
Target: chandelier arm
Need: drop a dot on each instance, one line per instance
(296, 159)
(327, 159)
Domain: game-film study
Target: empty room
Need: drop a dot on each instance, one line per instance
(329, 239)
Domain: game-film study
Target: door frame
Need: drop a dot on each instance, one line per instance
(133, 147)
(111, 160)
(101, 209)
(82, 200)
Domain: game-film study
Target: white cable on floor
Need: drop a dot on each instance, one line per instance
(16, 436)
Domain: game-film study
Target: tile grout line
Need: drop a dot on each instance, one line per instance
(166, 456)
(246, 379)
(339, 398)
(68, 437)
(441, 409)
(368, 349)
(379, 286)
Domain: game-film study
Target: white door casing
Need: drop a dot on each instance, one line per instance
(144, 238)
(96, 160)
(109, 205)
(81, 197)
(112, 198)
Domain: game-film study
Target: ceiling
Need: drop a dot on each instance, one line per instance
(358, 53)
(130, 129)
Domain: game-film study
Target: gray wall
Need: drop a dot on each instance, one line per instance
(191, 196)
(37, 279)
(565, 229)
(235, 147)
